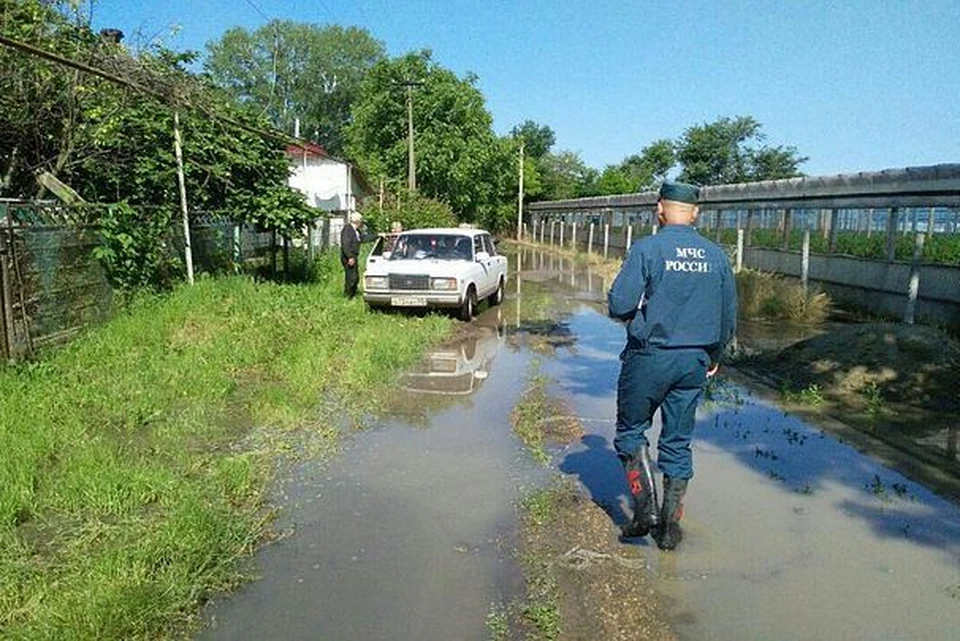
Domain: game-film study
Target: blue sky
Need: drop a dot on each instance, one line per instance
(854, 85)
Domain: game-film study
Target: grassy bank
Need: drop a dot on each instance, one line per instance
(135, 460)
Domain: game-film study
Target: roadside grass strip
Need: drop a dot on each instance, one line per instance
(540, 419)
(135, 460)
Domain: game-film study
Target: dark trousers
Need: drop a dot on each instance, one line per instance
(671, 380)
(351, 278)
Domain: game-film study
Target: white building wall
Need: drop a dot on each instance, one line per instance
(324, 182)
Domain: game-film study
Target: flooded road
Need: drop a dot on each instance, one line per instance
(407, 533)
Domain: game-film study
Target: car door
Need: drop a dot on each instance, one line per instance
(376, 252)
(487, 261)
(498, 262)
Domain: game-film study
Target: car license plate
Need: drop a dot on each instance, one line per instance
(408, 301)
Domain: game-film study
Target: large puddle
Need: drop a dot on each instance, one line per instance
(406, 534)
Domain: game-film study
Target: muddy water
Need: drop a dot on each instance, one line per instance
(790, 534)
(406, 533)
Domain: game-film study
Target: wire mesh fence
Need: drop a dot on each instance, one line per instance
(53, 283)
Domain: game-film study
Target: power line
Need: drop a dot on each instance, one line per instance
(164, 98)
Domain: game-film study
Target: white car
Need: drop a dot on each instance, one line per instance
(451, 268)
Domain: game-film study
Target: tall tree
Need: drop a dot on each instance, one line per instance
(459, 159)
(537, 139)
(720, 153)
(565, 175)
(288, 70)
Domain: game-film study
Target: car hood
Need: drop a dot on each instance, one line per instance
(429, 266)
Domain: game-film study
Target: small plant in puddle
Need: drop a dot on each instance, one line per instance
(875, 403)
(899, 489)
(811, 395)
(806, 489)
(794, 437)
(538, 506)
(497, 622)
(767, 454)
(877, 487)
(545, 617)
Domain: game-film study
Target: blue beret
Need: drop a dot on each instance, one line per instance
(681, 192)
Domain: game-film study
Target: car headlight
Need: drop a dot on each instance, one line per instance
(375, 282)
(449, 284)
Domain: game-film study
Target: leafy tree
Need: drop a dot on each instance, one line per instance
(537, 139)
(413, 210)
(652, 165)
(459, 160)
(771, 163)
(565, 175)
(286, 70)
(39, 102)
(719, 153)
(615, 180)
(115, 144)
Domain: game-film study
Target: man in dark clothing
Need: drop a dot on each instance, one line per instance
(677, 294)
(350, 253)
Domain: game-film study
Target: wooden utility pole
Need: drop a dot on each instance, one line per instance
(520, 197)
(411, 159)
(178, 150)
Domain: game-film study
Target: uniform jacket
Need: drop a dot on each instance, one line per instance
(676, 289)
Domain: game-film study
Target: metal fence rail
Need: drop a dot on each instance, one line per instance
(880, 220)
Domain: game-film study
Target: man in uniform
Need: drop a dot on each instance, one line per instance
(677, 294)
(349, 254)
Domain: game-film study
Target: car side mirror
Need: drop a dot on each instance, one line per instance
(482, 256)
(386, 255)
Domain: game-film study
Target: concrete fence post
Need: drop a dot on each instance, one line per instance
(914, 288)
(562, 225)
(892, 217)
(606, 240)
(626, 249)
(805, 260)
(739, 250)
(834, 220)
(787, 222)
(573, 237)
(590, 240)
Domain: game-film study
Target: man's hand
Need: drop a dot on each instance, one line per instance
(711, 372)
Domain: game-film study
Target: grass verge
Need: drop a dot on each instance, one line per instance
(136, 458)
(539, 419)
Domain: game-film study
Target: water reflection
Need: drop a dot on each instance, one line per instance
(458, 368)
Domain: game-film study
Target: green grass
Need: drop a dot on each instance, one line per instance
(135, 460)
(770, 296)
(529, 415)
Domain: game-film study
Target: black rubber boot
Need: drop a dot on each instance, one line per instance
(669, 534)
(643, 490)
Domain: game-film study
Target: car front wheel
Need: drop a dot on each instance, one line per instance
(469, 302)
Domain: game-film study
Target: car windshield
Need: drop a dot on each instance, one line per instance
(439, 246)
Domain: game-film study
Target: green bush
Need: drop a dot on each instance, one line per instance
(410, 209)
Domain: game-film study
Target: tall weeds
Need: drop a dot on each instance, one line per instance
(770, 296)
